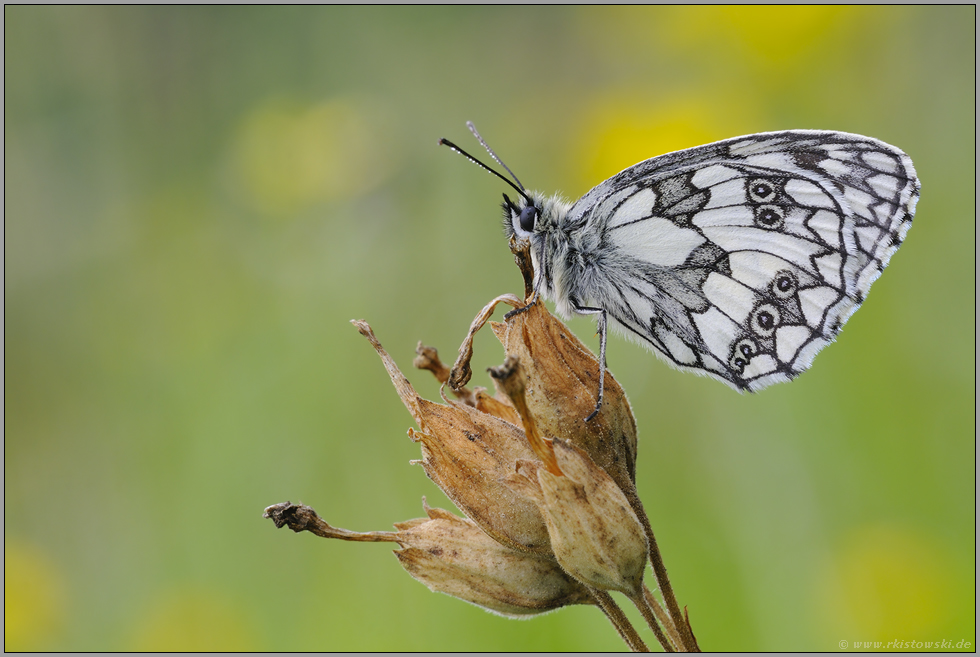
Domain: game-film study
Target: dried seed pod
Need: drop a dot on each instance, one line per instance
(467, 452)
(561, 382)
(595, 534)
(453, 555)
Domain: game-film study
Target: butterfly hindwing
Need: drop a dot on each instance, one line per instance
(742, 259)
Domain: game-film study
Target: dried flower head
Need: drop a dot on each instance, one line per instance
(552, 513)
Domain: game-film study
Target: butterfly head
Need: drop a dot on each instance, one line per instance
(523, 217)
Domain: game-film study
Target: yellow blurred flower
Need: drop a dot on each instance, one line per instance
(289, 156)
(767, 35)
(193, 621)
(887, 583)
(33, 597)
(622, 130)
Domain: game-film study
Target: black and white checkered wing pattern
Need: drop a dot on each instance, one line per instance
(742, 259)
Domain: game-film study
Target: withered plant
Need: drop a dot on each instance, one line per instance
(552, 516)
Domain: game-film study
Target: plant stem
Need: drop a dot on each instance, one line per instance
(641, 603)
(688, 643)
(662, 616)
(301, 518)
(619, 620)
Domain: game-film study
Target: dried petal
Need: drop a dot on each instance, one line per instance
(427, 358)
(497, 405)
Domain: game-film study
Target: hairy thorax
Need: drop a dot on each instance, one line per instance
(577, 266)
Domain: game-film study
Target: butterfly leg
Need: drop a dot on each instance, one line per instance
(524, 308)
(601, 330)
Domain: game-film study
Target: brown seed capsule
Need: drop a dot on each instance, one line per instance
(453, 555)
(467, 453)
(562, 381)
(595, 534)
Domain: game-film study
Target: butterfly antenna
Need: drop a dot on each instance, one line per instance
(469, 124)
(451, 145)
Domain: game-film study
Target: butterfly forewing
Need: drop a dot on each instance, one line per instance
(742, 259)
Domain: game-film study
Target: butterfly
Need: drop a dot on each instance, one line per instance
(738, 260)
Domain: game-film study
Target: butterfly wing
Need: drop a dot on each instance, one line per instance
(742, 259)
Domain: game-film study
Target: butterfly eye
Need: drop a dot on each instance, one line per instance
(528, 216)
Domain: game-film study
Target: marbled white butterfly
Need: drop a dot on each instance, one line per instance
(738, 260)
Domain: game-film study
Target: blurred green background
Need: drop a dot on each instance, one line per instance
(197, 200)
